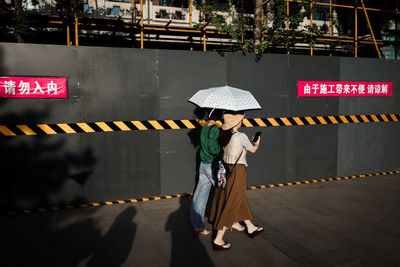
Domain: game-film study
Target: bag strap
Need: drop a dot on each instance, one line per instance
(234, 166)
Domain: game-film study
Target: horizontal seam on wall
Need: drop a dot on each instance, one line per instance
(144, 199)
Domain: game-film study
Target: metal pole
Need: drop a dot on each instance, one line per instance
(190, 23)
(372, 32)
(355, 29)
(76, 23)
(190, 13)
(287, 21)
(395, 30)
(204, 33)
(330, 27)
(311, 7)
(141, 24)
(132, 12)
(262, 24)
(133, 22)
(204, 30)
(68, 37)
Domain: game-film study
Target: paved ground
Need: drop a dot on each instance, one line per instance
(340, 223)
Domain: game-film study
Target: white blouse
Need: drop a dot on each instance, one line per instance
(239, 142)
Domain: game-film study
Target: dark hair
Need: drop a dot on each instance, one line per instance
(216, 114)
(203, 113)
(199, 113)
(225, 137)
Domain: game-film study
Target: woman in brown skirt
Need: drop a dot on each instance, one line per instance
(230, 203)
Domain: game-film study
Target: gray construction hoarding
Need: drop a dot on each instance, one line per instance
(120, 84)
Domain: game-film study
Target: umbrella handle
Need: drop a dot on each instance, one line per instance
(209, 115)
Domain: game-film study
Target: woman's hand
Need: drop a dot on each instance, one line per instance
(255, 147)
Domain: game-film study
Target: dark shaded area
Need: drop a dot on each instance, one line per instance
(194, 136)
(115, 246)
(44, 240)
(35, 169)
(186, 246)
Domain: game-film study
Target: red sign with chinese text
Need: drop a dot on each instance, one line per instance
(330, 88)
(33, 87)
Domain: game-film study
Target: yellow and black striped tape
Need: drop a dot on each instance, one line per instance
(322, 180)
(91, 127)
(144, 199)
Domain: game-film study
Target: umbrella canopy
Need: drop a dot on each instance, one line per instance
(225, 97)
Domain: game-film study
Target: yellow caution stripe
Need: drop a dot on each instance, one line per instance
(323, 180)
(114, 126)
(145, 199)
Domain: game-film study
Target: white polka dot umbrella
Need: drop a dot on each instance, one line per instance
(225, 97)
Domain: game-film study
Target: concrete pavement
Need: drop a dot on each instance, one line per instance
(340, 223)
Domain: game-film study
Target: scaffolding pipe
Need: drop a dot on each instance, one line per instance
(133, 21)
(311, 26)
(76, 23)
(395, 31)
(287, 20)
(330, 26)
(190, 14)
(355, 29)
(68, 35)
(204, 33)
(190, 23)
(141, 24)
(262, 24)
(372, 32)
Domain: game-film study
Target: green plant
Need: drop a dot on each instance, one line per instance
(279, 30)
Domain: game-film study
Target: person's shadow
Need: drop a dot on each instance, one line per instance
(194, 136)
(116, 245)
(187, 249)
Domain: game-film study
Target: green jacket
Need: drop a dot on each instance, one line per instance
(209, 143)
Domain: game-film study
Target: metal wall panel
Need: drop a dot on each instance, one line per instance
(311, 150)
(266, 78)
(38, 171)
(181, 74)
(120, 84)
(41, 60)
(366, 148)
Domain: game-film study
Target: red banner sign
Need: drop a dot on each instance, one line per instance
(33, 87)
(329, 88)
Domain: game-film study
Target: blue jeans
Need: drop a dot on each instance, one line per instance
(200, 196)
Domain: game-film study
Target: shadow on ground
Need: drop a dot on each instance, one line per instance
(187, 250)
(73, 239)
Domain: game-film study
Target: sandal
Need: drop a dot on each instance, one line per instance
(255, 232)
(221, 247)
(203, 231)
(237, 228)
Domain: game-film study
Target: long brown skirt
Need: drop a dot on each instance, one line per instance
(230, 203)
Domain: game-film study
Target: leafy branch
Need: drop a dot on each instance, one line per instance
(279, 30)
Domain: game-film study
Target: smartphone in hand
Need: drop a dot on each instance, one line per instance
(255, 138)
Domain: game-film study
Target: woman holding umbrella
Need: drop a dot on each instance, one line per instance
(209, 150)
(230, 203)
